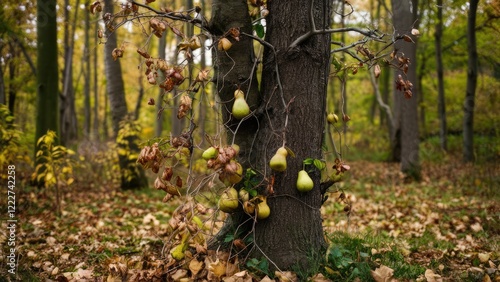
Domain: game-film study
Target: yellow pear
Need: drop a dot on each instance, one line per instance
(278, 161)
(304, 182)
(332, 118)
(240, 106)
(244, 195)
(263, 210)
(228, 201)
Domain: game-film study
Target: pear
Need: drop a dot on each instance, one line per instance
(240, 106)
(228, 201)
(244, 195)
(278, 161)
(304, 182)
(263, 210)
(210, 153)
(332, 118)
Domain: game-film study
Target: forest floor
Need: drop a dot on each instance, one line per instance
(444, 228)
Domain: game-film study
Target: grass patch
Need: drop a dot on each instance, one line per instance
(351, 257)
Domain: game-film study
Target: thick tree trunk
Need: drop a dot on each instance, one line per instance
(439, 65)
(292, 113)
(303, 75)
(404, 14)
(470, 94)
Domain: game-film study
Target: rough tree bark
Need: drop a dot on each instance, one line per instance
(406, 113)
(468, 151)
(289, 110)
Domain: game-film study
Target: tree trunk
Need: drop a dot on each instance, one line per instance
(47, 117)
(439, 64)
(292, 113)
(404, 15)
(160, 118)
(12, 82)
(86, 90)
(67, 103)
(114, 86)
(470, 94)
(132, 174)
(95, 127)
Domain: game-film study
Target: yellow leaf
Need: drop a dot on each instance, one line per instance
(218, 268)
(49, 176)
(70, 181)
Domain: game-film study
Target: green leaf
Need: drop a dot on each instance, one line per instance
(259, 30)
(319, 164)
(308, 161)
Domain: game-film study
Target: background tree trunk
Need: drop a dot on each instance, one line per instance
(470, 94)
(87, 84)
(132, 174)
(443, 132)
(404, 15)
(114, 78)
(67, 103)
(47, 117)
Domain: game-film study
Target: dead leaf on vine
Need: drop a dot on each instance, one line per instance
(383, 274)
(117, 53)
(377, 71)
(95, 7)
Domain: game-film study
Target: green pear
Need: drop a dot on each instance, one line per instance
(240, 106)
(210, 153)
(228, 201)
(278, 161)
(304, 182)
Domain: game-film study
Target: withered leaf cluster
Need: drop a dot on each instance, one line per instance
(157, 26)
(164, 183)
(340, 166)
(151, 157)
(405, 86)
(226, 165)
(184, 106)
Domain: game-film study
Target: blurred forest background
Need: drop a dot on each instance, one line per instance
(84, 107)
(101, 134)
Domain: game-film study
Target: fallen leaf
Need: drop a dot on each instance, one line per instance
(382, 274)
(195, 266)
(432, 277)
(483, 257)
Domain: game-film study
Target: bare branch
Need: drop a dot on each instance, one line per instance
(372, 34)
